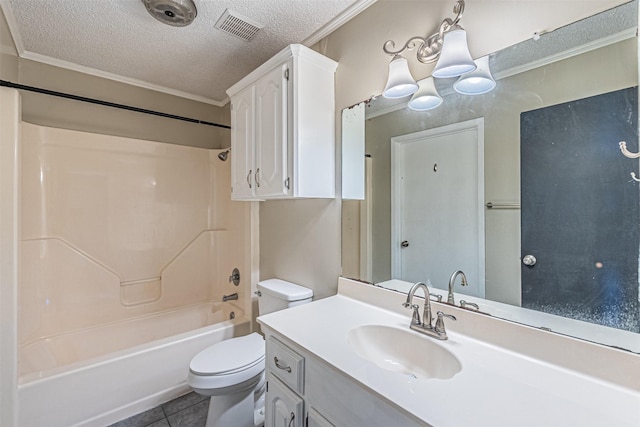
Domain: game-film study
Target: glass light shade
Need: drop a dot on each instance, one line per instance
(455, 59)
(476, 82)
(400, 82)
(427, 97)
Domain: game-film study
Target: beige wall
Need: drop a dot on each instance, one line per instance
(300, 242)
(57, 112)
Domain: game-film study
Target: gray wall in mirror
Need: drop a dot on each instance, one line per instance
(599, 70)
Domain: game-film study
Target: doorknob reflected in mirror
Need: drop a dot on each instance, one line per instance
(529, 260)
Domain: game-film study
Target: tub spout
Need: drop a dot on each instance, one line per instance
(230, 297)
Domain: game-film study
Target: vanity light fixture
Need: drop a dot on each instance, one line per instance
(447, 46)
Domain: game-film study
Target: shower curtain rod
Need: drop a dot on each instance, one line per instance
(6, 83)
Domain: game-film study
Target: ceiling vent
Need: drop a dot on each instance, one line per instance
(237, 25)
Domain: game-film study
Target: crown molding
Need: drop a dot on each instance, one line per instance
(338, 21)
(13, 26)
(118, 78)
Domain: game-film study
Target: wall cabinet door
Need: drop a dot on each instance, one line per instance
(272, 139)
(284, 408)
(243, 143)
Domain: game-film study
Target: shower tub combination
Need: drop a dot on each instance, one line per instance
(125, 251)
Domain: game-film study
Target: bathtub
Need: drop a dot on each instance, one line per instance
(112, 380)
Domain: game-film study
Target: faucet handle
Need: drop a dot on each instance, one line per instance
(415, 317)
(465, 304)
(439, 328)
(437, 297)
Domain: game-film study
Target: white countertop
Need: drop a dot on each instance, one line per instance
(496, 387)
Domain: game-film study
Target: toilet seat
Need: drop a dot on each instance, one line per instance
(229, 356)
(229, 363)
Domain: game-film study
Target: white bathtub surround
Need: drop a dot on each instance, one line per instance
(511, 374)
(116, 229)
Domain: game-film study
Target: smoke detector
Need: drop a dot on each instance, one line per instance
(177, 13)
(237, 25)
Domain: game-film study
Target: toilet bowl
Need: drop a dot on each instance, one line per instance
(232, 371)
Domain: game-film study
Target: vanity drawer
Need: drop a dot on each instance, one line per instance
(286, 364)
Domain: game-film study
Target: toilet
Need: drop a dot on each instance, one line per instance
(232, 371)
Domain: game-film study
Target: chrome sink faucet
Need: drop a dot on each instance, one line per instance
(427, 318)
(452, 279)
(425, 325)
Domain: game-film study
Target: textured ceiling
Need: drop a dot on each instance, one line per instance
(120, 40)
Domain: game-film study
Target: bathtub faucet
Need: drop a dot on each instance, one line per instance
(229, 297)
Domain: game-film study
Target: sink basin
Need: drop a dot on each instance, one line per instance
(403, 351)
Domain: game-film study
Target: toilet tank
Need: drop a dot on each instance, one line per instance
(276, 294)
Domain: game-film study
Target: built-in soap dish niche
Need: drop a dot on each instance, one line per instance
(138, 292)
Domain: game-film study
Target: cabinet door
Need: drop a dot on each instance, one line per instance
(283, 407)
(316, 420)
(272, 175)
(243, 144)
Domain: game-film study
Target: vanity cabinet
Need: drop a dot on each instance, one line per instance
(283, 128)
(285, 403)
(304, 391)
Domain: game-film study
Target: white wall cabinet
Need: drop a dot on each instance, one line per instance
(283, 128)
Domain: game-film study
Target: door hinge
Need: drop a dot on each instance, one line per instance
(286, 74)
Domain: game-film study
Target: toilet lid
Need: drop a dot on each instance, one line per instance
(283, 290)
(228, 356)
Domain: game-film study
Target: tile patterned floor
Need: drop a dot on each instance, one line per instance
(189, 410)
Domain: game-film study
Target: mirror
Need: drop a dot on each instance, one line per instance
(571, 68)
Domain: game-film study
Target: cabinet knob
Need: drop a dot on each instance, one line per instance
(257, 179)
(249, 178)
